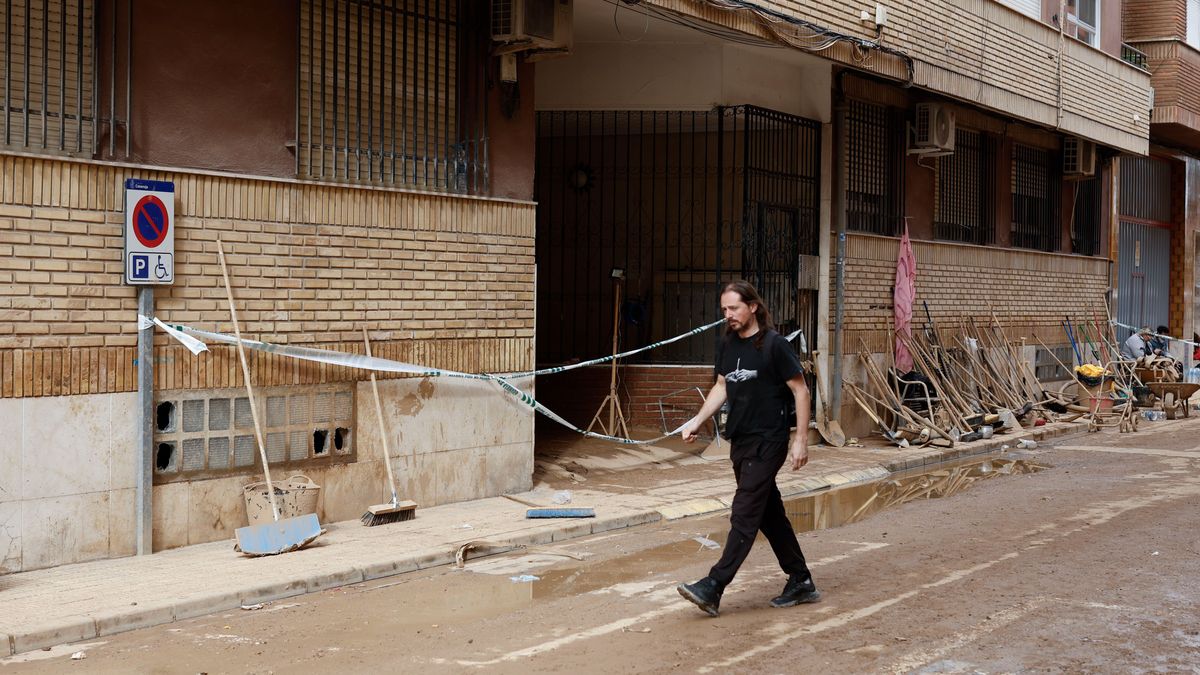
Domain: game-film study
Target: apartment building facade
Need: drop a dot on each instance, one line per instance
(362, 170)
(1157, 264)
(755, 105)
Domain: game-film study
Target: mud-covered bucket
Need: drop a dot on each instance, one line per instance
(296, 496)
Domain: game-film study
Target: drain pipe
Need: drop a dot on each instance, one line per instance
(839, 220)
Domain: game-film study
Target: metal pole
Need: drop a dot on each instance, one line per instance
(839, 219)
(145, 426)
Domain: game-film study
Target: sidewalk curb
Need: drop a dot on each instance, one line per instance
(87, 627)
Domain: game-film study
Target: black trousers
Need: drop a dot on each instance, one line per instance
(758, 506)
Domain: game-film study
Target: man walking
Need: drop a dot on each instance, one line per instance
(760, 376)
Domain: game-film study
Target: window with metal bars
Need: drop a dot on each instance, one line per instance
(874, 171)
(46, 103)
(1035, 198)
(391, 92)
(965, 202)
(1085, 218)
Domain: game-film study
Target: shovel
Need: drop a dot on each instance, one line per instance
(830, 430)
(285, 534)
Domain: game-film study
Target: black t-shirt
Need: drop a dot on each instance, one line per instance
(756, 385)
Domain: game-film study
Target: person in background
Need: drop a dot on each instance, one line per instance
(1159, 343)
(1137, 345)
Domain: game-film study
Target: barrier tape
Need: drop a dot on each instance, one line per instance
(194, 346)
(186, 333)
(1135, 329)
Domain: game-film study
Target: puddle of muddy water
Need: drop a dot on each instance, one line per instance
(851, 504)
(485, 587)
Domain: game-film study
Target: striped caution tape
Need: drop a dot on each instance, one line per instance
(1168, 337)
(194, 346)
(361, 361)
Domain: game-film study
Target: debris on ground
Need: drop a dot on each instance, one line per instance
(706, 543)
(524, 578)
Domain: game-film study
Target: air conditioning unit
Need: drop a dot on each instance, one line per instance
(933, 130)
(535, 26)
(1079, 157)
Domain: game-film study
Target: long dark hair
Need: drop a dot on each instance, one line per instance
(749, 295)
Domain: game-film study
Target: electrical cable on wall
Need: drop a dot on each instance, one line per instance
(791, 31)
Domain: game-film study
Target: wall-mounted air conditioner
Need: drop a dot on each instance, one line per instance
(1079, 157)
(932, 133)
(540, 27)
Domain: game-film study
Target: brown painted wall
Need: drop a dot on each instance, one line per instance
(1145, 19)
(512, 141)
(214, 85)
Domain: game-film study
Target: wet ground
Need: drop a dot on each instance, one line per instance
(1085, 566)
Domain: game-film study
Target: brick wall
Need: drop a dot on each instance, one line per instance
(1148, 19)
(1181, 250)
(576, 395)
(440, 280)
(985, 53)
(1029, 291)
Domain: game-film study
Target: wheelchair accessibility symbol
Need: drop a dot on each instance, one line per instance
(150, 267)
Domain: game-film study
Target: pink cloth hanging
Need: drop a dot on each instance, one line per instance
(905, 297)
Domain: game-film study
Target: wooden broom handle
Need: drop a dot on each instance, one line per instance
(262, 449)
(387, 453)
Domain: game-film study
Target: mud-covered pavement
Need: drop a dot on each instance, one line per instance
(1086, 566)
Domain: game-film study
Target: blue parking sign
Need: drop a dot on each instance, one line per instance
(139, 266)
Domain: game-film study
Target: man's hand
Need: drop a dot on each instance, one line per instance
(798, 454)
(688, 432)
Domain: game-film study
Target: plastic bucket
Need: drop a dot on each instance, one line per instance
(296, 496)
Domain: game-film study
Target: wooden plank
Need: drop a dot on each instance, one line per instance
(6, 373)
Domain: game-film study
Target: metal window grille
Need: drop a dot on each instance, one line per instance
(48, 69)
(1035, 198)
(208, 433)
(1146, 189)
(1085, 223)
(965, 190)
(875, 170)
(392, 92)
(1046, 363)
(681, 201)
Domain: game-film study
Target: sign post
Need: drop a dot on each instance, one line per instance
(149, 260)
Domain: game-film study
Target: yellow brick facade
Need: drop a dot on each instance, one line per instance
(1029, 291)
(441, 280)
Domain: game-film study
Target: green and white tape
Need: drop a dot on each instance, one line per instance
(190, 337)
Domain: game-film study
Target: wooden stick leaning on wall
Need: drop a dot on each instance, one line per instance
(284, 534)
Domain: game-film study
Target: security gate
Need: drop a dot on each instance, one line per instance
(679, 202)
(780, 247)
(1144, 248)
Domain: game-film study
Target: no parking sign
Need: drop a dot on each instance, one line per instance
(149, 232)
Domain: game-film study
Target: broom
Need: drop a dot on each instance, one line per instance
(396, 510)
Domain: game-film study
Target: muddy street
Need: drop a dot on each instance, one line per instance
(1086, 565)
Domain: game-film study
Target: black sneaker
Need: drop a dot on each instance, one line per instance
(706, 593)
(797, 592)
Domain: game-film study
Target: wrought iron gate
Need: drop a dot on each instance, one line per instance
(681, 202)
(781, 249)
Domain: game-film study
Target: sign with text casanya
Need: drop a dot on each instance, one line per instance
(149, 232)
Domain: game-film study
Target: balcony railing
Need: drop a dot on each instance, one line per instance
(1134, 57)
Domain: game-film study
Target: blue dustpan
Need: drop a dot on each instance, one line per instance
(280, 536)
